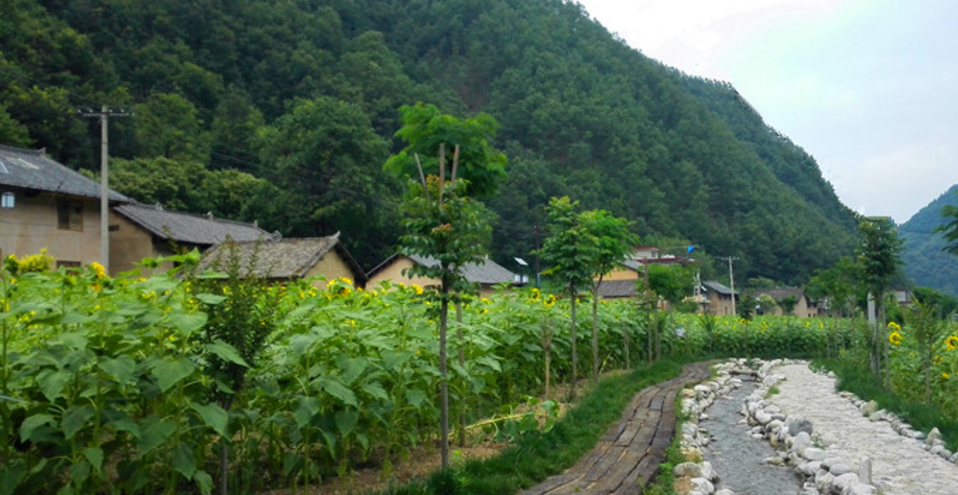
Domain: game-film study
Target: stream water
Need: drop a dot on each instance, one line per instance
(737, 457)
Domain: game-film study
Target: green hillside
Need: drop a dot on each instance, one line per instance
(925, 262)
(284, 112)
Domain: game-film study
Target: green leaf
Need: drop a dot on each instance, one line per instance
(95, 456)
(32, 423)
(188, 322)
(226, 352)
(121, 368)
(79, 472)
(346, 421)
(211, 299)
(52, 382)
(183, 461)
(337, 389)
(156, 432)
(306, 408)
(376, 390)
(214, 416)
(170, 372)
(126, 424)
(75, 418)
(10, 477)
(415, 397)
(204, 482)
(351, 368)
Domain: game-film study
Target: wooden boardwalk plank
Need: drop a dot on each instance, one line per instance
(628, 456)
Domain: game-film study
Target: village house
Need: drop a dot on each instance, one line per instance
(802, 306)
(289, 259)
(485, 275)
(621, 281)
(143, 231)
(44, 204)
(719, 299)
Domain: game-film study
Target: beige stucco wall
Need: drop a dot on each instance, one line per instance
(31, 225)
(331, 266)
(130, 243)
(393, 273)
(719, 305)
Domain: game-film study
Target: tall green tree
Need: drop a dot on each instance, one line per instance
(879, 256)
(613, 243)
(569, 254)
(324, 155)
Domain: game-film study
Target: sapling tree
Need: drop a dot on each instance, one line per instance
(442, 220)
(613, 242)
(879, 256)
(569, 254)
(445, 224)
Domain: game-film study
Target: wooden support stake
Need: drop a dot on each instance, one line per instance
(422, 176)
(442, 170)
(455, 163)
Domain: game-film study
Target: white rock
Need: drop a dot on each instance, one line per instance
(859, 489)
(689, 469)
(703, 485)
(844, 481)
(865, 470)
(802, 441)
(708, 472)
(839, 468)
(933, 435)
(813, 454)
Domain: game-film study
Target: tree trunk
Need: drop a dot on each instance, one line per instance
(444, 380)
(625, 345)
(595, 331)
(460, 337)
(575, 360)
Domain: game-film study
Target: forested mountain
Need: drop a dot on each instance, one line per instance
(284, 112)
(925, 262)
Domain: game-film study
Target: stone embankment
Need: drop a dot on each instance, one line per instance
(840, 444)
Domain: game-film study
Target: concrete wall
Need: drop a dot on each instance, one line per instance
(719, 304)
(331, 266)
(31, 225)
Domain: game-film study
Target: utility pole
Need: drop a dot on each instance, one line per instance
(731, 279)
(104, 115)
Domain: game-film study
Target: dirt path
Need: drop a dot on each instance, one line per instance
(628, 454)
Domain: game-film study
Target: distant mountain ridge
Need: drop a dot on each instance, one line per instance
(925, 262)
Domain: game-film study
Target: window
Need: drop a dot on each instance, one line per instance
(7, 200)
(69, 215)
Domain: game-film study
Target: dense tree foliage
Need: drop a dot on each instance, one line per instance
(579, 114)
(926, 261)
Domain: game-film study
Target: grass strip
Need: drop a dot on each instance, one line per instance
(537, 456)
(860, 381)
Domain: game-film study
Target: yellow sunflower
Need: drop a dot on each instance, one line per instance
(895, 338)
(894, 327)
(951, 343)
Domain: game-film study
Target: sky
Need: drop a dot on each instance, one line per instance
(867, 87)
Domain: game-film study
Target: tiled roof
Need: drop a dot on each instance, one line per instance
(188, 227)
(283, 259)
(617, 288)
(32, 169)
(718, 288)
(488, 272)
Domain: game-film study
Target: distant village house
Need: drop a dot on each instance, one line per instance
(485, 275)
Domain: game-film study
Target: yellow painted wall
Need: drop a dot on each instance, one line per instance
(622, 274)
(331, 266)
(31, 225)
(393, 273)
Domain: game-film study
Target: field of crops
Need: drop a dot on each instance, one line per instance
(105, 384)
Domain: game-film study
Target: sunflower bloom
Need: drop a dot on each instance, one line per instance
(894, 327)
(895, 338)
(951, 343)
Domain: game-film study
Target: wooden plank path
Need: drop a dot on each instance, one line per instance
(628, 455)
